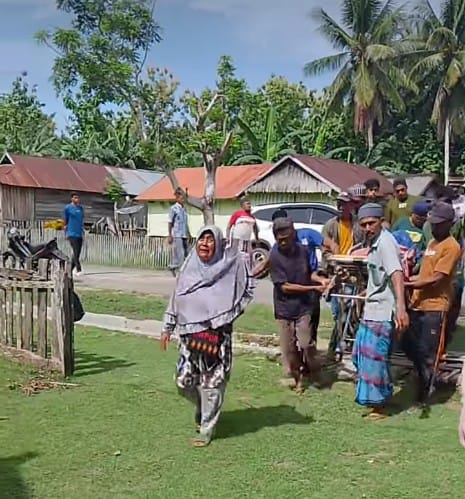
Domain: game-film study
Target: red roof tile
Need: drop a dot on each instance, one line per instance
(48, 173)
(231, 182)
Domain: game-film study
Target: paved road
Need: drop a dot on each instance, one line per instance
(158, 283)
(148, 281)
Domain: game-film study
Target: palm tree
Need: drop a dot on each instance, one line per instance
(367, 77)
(441, 64)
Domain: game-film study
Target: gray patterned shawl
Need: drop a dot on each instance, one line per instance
(210, 294)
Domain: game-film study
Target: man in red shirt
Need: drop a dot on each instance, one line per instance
(241, 226)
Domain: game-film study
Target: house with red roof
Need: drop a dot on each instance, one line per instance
(295, 178)
(38, 188)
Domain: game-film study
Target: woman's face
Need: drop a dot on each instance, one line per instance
(206, 246)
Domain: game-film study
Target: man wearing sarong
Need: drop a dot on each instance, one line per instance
(384, 312)
(432, 297)
(290, 274)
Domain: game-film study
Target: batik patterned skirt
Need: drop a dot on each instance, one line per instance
(201, 369)
(370, 356)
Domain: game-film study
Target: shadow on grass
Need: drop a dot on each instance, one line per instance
(90, 363)
(11, 483)
(405, 399)
(253, 419)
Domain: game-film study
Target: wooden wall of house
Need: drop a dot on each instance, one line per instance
(21, 203)
(17, 203)
(49, 205)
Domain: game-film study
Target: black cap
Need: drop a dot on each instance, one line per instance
(442, 212)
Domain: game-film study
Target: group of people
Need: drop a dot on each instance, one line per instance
(216, 283)
(241, 226)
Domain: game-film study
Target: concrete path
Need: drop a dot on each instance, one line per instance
(153, 329)
(148, 281)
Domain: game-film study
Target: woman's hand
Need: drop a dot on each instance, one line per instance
(164, 341)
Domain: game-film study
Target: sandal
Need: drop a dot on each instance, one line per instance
(375, 415)
(201, 440)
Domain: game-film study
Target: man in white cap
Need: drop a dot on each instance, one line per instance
(384, 312)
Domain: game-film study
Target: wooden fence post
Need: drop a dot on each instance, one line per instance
(62, 341)
(42, 317)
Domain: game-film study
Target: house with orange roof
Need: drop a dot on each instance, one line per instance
(295, 178)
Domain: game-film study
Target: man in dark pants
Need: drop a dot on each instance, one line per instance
(290, 274)
(432, 296)
(74, 228)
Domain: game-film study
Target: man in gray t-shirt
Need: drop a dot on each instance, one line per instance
(384, 312)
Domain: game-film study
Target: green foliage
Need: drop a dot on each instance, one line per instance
(24, 126)
(399, 72)
(114, 190)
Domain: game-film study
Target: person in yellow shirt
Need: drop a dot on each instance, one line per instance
(345, 232)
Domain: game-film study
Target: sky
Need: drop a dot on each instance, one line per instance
(264, 37)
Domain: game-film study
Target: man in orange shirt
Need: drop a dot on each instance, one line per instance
(432, 296)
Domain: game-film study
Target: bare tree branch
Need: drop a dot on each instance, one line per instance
(203, 115)
(192, 200)
(224, 149)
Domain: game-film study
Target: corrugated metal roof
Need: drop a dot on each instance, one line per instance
(62, 174)
(48, 173)
(418, 184)
(134, 182)
(339, 174)
(231, 182)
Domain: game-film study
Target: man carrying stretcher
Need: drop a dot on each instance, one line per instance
(432, 298)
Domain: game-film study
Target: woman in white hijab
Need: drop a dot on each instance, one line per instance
(213, 289)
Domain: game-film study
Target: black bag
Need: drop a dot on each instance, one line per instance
(78, 309)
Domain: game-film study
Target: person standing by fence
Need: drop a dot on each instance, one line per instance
(178, 232)
(74, 229)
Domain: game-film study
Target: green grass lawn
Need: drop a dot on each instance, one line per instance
(257, 318)
(125, 433)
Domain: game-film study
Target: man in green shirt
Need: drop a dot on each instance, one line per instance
(413, 225)
(400, 205)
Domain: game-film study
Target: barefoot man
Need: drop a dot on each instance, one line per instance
(384, 312)
(290, 274)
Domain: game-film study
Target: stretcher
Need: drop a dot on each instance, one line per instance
(349, 277)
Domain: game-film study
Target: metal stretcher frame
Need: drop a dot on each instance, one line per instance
(349, 280)
(447, 365)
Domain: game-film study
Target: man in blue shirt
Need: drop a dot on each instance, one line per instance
(74, 229)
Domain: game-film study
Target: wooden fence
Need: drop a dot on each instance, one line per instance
(36, 315)
(104, 249)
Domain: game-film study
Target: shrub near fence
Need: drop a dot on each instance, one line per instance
(105, 249)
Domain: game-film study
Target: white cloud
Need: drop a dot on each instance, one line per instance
(276, 28)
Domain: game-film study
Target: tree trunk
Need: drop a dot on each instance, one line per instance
(370, 137)
(447, 150)
(209, 199)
